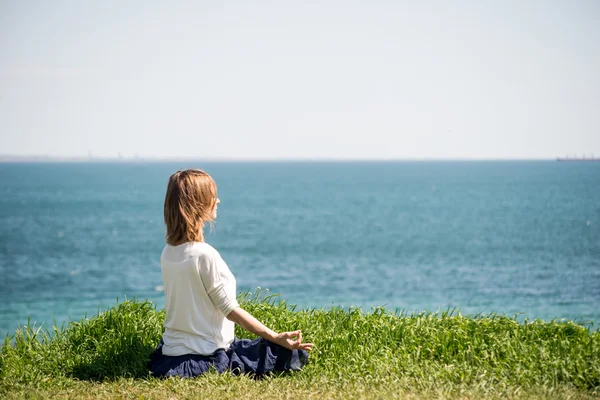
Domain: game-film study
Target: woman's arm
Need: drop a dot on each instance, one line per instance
(290, 340)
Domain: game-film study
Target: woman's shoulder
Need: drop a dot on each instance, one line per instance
(189, 250)
(205, 254)
(203, 249)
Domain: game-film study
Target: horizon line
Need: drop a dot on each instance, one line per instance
(8, 158)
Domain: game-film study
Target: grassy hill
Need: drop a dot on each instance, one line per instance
(358, 355)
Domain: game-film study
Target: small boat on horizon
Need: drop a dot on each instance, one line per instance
(583, 158)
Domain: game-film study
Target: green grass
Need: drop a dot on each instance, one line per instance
(358, 355)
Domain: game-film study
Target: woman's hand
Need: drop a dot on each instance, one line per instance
(292, 340)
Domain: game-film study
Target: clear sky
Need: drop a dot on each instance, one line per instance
(300, 79)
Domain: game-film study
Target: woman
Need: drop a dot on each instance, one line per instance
(200, 297)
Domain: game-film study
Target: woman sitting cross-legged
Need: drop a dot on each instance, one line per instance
(200, 297)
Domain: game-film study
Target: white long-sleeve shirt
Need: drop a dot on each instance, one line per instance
(200, 291)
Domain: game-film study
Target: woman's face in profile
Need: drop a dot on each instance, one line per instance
(215, 209)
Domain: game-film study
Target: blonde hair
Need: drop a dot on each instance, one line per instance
(189, 203)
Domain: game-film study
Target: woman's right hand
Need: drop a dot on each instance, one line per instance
(292, 340)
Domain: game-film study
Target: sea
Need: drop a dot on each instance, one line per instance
(516, 238)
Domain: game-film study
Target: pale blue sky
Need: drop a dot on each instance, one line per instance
(300, 79)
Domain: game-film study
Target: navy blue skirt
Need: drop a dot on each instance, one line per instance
(244, 356)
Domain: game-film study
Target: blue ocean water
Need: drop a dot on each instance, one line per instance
(488, 236)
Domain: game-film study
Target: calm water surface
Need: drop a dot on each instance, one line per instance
(503, 237)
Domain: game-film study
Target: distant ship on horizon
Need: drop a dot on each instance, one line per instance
(575, 158)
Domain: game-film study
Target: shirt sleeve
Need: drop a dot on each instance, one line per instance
(216, 279)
